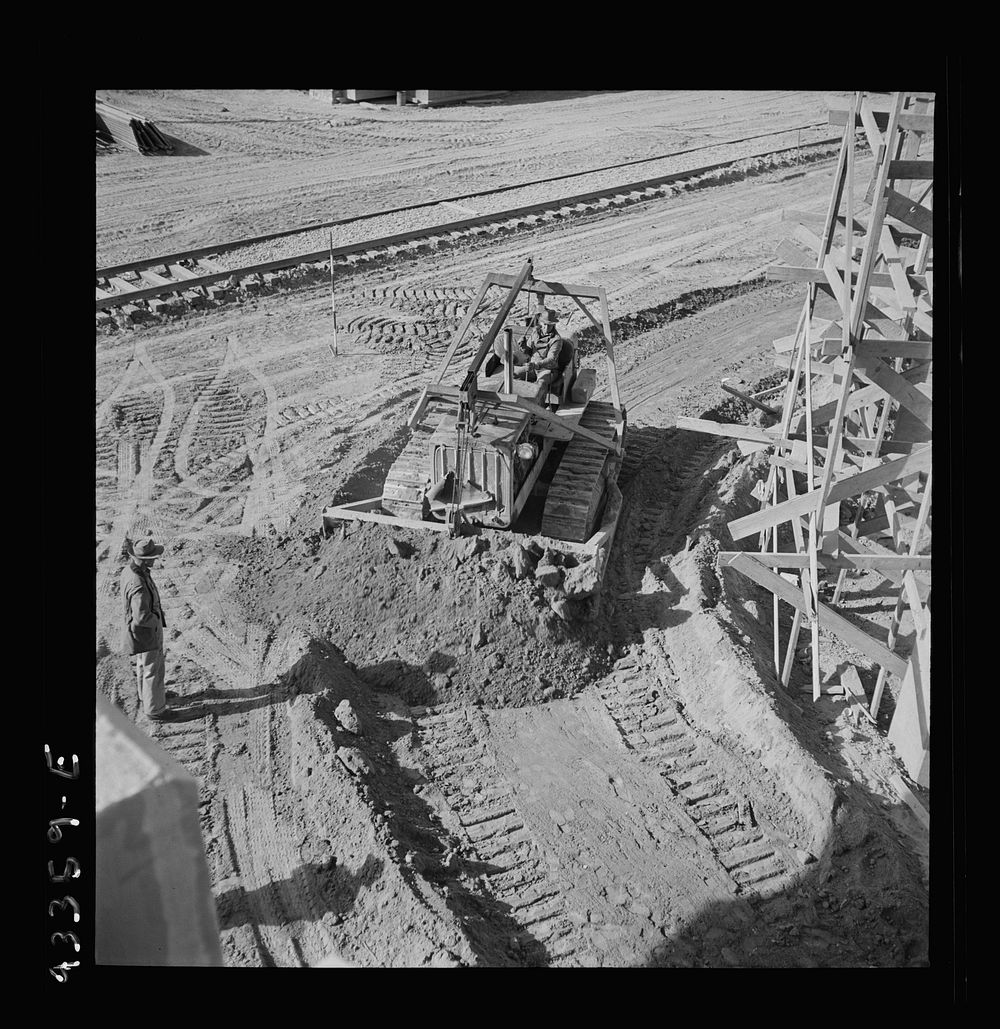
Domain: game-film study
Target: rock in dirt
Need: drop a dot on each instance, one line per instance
(523, 562)
(347, 717)
(353, 760)
(400, 548)
(502, 572)
(548, 575)
(320, 569)
(562, 608)
(440, 681)
(534, 548)
(552, 557)
(582, 579)
(467, 548)
(478, 638)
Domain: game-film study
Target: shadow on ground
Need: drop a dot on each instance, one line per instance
(427, 850)
(273, 903)
(182, 149)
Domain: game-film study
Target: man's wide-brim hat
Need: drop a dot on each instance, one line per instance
(146, 550)
(546, 316)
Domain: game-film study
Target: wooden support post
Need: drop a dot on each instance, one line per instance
(612, 375)
(793, 637)
(810, 586)
(925, 507)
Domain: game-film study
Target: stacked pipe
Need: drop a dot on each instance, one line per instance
(130, 130)
(104, 144)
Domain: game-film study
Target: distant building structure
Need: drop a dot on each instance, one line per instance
(423, 97)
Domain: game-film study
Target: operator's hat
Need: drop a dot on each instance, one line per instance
(145, 550)
(546, 316)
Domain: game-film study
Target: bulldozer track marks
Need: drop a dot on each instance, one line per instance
(654, 728)
(452, 740)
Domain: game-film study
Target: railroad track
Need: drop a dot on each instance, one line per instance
(174, 283)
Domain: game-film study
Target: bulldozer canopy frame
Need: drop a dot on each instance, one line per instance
(524, 282)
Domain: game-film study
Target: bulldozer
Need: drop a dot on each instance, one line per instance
(479, 446)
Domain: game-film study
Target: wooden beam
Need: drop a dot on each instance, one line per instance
(609, 349)
(751, 400)
(874, 136)
(826, 371)
(828, 618)
(903, 209)
(152, 278)
(865, 396)
(900, 282)
(366, 511)
(849, 486)
(907, 796)
(911, 169)
(915, 601)
(912, 122)
(746, 432)
(178, 271)
(911, 349)
(877, 373)
(562, 289)
(470, 314)
(879, 562)
(821, 276)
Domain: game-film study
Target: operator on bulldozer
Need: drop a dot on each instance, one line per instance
(542, 347)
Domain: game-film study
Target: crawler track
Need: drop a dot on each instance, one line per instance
(574, 497)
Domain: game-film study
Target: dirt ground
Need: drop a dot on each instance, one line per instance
(249, 162)
(512, 781)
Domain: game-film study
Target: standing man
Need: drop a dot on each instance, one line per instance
(144, 623)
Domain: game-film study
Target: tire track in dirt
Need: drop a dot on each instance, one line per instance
(182, 452)
(262, 854)
(135, 512)
(267, 502)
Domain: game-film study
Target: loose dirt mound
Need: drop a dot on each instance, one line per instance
(432, 619)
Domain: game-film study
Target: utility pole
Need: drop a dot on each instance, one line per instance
(333, 297)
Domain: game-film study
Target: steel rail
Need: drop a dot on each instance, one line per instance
(318, 256)
(236, 244)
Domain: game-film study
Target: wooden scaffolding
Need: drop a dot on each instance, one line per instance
(855, 425)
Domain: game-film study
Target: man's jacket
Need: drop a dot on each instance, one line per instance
(144, 619)
(545, 350)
